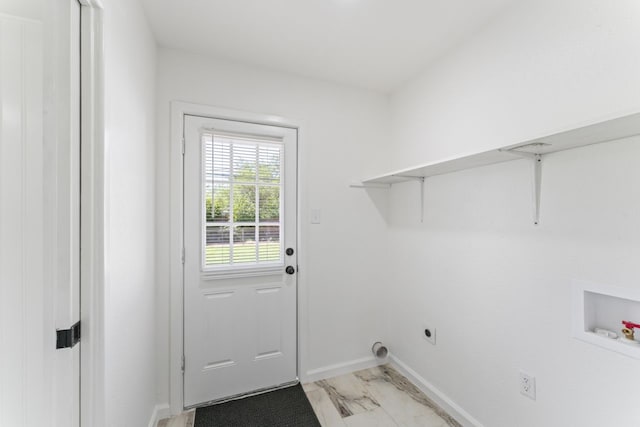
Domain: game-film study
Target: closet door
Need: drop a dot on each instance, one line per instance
(39, 216)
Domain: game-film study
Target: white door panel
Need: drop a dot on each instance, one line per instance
(240, 304)
(39, 216)
(27, 347)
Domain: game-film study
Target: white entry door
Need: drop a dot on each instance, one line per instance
(240, 264)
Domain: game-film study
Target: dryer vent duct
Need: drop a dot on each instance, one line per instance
(379, 350)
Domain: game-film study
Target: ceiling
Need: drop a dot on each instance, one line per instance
(376, 44)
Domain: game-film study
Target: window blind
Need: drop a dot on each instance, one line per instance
(242, 203)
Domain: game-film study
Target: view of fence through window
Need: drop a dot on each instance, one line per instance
(242, 204)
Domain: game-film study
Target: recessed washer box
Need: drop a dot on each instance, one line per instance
(605, 307)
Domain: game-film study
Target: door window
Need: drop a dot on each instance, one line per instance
(242, 203)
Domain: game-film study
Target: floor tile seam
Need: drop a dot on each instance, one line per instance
(320, 413)
(390, 416)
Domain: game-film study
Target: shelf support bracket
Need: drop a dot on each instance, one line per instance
(422, 199)
(537, 179)
(537, 185)
(420, 179)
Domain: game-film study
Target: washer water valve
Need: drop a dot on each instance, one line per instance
(628, 329)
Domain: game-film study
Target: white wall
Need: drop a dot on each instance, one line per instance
(342, 136)
(545, 66)
(130, 219)
(30, 9)
(498, 289)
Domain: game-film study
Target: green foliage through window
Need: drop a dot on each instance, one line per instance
(242, 187)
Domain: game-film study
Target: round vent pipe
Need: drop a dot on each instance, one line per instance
(379, 350)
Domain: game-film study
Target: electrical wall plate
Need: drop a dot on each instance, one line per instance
(316, 216)
(429, 333)
(527, 385)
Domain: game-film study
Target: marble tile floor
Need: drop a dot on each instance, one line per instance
(186, 419)
(377, 396)
(372, 397)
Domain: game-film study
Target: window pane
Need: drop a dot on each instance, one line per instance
(218, 210)
(242, 195)
(244, 244)
(244, 162)
(221, 160)
(269, 210)
(269, 243)
(244, 203)
(217, 245)
(269, 164)
(208, 201)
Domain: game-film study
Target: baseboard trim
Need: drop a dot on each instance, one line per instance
(453, 409)
(159, 412)
(341, 369)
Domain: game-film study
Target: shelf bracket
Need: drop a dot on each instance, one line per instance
(422, 199)
(537, 185)
(420, 179)
(537, 179)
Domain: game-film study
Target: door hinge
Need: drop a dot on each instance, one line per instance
(182, 257)
(67, 338)
(183, 145)
(183, 364)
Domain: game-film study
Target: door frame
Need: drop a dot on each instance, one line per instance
(92, 197)
(93, 208)
(176, 334)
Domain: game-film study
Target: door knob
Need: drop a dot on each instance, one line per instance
(290, 269)
(289, 251)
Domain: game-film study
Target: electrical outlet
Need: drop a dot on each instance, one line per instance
(528, 385)
(429, 334)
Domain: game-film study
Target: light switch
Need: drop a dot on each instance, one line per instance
(315, 216)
